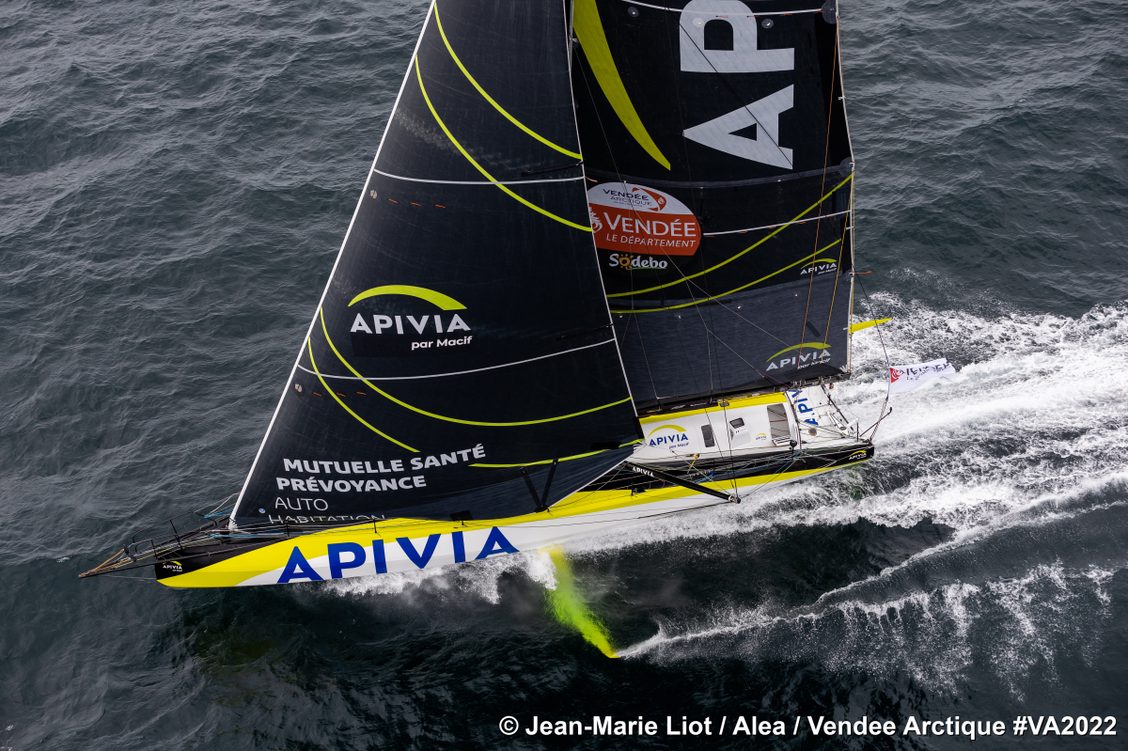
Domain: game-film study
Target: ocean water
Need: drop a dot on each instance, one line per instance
(175, 179)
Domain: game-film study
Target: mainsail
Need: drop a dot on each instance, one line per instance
(461, 363)
(720, 180)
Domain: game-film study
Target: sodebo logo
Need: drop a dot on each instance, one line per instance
(627, 261)
(446, 328)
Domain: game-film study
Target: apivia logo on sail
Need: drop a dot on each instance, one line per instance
(381, 327)
(819, 266)
(799, 356)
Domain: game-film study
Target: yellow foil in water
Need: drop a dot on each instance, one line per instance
(569, 608)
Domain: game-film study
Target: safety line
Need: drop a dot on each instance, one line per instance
(492, 101)
(523, 201)
(750, 248)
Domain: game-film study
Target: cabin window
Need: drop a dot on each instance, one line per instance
(718, 35)
(707, 436)
(777, 422)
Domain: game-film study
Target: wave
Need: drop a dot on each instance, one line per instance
(937, 636)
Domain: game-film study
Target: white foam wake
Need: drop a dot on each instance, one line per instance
(1018, 623)
(1035, 424)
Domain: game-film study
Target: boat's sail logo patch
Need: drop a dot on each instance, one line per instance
(426, 320)
(636, 219)
(799, 356)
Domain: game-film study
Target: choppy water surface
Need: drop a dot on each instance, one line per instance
(175, 180)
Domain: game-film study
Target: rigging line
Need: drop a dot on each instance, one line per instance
(466, 154)
(468, 371)
(724, 306)
(332, 393)
(812, 258)
(478, 182)
(820, 217)
(619, 174)
(557, 459)
(588, 29)
(446, 418)
(834, 289)
(711, 334)
(761, 130)
(493, 102)
(818, 225)
(750, 248)
(885, 353)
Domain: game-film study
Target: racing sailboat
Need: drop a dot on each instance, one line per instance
(600, 270)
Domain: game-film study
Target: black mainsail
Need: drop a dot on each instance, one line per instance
(461, 363)
(720, 175)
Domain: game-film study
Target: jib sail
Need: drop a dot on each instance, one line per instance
(720, 183)
(461, 363)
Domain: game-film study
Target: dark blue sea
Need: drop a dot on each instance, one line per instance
(175, 179)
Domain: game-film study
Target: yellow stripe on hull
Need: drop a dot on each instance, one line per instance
(395, 545)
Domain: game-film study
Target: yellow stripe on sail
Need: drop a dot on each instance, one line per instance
(749, 249)
(493, 102)
(438, 299)
(446, 418)
(361, 420)
(700, 300)
(593, 42)
(503, 188)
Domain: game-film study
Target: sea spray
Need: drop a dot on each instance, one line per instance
(568, 607)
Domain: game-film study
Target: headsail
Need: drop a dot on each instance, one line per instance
(720, 181)
(461, 363)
